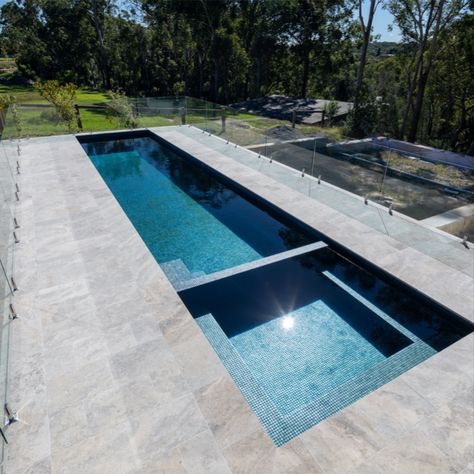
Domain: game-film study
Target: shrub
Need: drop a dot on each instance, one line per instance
(122, 109)
(62, 96)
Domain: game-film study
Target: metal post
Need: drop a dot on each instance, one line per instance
(11, 417)
(312, 160)
(13, 313)
(223, 119)
(77, 112)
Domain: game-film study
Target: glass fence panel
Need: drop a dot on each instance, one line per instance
(359, 178)
(8, 192)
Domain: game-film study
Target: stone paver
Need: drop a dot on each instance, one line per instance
(110, 373)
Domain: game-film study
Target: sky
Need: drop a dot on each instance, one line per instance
(382, 20)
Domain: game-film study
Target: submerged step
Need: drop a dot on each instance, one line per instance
(249, 266)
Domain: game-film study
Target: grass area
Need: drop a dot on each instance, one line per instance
(242, 128)
(28, 95)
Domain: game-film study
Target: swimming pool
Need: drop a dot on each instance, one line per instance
(193, 223)
(303, 330)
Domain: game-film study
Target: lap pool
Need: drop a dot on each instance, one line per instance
(302, 329)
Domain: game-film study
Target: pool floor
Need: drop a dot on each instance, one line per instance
(313, 350)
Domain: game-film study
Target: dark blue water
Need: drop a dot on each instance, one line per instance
(191, 222)
(309, 324)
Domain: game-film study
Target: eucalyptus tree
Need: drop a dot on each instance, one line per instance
(97, 12)
(365, 23)
(449, 118)
(420, 23)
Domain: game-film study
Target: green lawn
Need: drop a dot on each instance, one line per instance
(28, 95)
(242, 128)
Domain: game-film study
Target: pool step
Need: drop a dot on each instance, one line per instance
(177, 272)
(245, 267)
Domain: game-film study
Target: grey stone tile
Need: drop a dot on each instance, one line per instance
(145, 327)
(394, 409)
(348, 432)
(40, 467)
(200, 455)
(119, 337)
(451, 429)
(442, 376)
(178, 326)
(67, 329)
(469, 469)
(257, 454)
(59, 293)
(69, 427)
(105, 408)
(144, 394)
(111, 450)
(414, 453)
(227, 412)
(153, 358)
(90, 348)
(198, 361)
(73, 387)
(32, 431)
(170, 425)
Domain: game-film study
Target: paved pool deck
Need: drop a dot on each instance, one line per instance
(110, 373)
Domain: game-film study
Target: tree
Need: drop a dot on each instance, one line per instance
(366, 30)
(313, 29)
(421, 22)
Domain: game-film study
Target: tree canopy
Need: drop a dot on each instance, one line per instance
(230, 50)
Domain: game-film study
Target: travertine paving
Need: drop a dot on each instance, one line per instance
(110, 373)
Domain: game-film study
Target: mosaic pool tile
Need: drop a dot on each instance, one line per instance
(302, 413)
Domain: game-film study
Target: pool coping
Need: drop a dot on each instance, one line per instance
(77, 245)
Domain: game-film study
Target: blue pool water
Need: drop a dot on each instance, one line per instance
(314, 349)
(192, 223)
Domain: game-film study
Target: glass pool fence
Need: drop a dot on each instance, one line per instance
(9, 238)
(367, 179)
